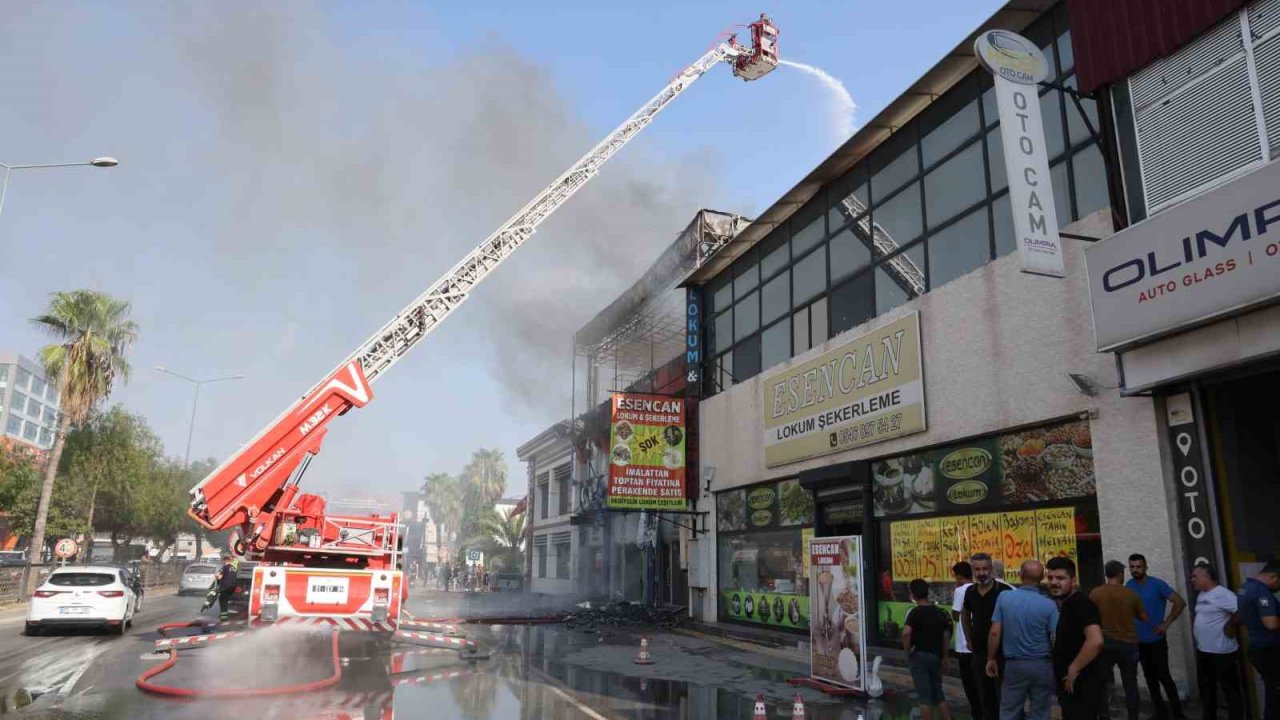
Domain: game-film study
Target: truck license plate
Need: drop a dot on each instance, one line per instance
(327, 590)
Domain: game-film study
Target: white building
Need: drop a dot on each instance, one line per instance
(553, 545)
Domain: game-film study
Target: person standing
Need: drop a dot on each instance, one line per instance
(1077, 642)
(979, 604)
(1022, 626)
(924, 637)
(963, 574)
(226, 579)
(1153, 647)
(1257, 603)
(1121, 609)
(1217, 651)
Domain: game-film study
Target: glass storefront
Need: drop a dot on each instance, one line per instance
(762, 532)
(1016, 496)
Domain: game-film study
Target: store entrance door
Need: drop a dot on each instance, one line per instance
(1245, 437)
(1244, 433)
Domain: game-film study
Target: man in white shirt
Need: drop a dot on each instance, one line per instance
(963, 573)
(1217, 651)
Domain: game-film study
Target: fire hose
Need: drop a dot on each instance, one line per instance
(144, 684)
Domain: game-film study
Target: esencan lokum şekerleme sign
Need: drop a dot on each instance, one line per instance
(867, 390)
(646, 452)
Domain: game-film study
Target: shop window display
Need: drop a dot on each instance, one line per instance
(1016, 496)
(762, 534)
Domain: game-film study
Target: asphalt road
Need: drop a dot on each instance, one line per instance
(49, 669)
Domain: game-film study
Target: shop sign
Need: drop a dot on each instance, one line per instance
(764, 506)
(646, 457)
(785, 610)
(1037, 465)
(693, 339)
(1018, 65)
(868, 390)
(837, 631)
(927, 549)
(1188, 470)
(1208, 257)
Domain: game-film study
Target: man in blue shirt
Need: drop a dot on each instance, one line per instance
(1257, 603)
(1023, 625)
(1153, 648)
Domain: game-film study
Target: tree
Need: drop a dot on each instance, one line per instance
(443, 495)
(486, 474)
(484, 481)
(93, 335)
(502, 539)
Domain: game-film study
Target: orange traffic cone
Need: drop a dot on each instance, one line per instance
(797, 708)
(643, 657)
(760, 713)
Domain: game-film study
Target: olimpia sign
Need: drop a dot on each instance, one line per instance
(1019, 66)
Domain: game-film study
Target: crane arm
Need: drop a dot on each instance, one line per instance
(249, 488)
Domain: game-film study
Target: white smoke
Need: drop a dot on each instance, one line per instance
(843, 108)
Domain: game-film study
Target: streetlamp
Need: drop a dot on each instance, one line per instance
(191, 431)
(102, 162)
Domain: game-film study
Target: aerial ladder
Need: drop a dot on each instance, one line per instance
(342, 569)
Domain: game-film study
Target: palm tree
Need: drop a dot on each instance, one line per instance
(487, 474)
(443, 496)
(502, 536)
(94, 334)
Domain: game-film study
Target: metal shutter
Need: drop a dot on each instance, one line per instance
(1264, 25)
(1194, 116)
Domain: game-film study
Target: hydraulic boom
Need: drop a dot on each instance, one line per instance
(259, 483)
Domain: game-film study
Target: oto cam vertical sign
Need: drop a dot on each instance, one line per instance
(1018, 66)
(646, 452)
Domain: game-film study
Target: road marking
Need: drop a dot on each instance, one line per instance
(550, 683)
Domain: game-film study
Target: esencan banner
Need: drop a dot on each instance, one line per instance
(837, 625)
(646, 452)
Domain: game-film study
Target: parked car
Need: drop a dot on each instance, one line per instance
(83, 596)
(506, 582)
(196, 578)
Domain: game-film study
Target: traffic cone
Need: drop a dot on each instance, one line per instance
(797, 708)
(643, 657)
(760, 713)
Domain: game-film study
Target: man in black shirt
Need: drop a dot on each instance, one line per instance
(975, 618)
(925, 638)
(1076, 644)
(226, 579)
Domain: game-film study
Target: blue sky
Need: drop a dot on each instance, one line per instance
(291, 174)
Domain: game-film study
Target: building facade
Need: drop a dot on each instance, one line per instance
(1185, 299)
(880, 364)
(552, 543)
(29, 403)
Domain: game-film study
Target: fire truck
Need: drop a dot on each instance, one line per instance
(318, 568)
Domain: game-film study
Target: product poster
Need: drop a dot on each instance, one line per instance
(646, 452)
(1031, 466)
(837, 630)
(928, 548)
(784, 610)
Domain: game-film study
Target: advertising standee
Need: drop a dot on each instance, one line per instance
(647, 452)
(837, 630)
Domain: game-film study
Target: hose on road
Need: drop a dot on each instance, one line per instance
(144, 680)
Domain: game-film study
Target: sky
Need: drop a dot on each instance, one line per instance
(293, 173)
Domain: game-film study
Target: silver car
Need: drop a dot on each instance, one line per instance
(196, 578)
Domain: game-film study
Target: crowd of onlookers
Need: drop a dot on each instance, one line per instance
(1020, 647)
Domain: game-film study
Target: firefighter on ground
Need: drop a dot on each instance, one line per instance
(226, 579)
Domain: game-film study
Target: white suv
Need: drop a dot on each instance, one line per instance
(90, 596)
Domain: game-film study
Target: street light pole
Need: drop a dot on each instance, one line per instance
(102, 162)
(186, 459)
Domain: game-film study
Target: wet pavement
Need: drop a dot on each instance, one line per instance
(543, 671)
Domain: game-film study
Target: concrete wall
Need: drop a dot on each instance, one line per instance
(997, 345)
